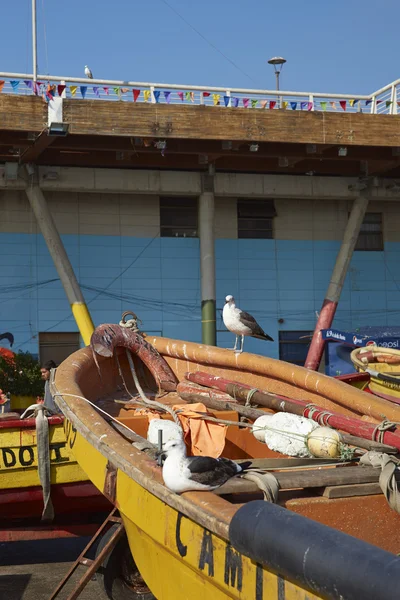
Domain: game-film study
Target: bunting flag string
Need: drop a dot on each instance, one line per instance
(48, 91)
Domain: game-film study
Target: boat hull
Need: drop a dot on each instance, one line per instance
(180, 544)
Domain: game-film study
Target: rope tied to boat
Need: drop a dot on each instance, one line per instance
(131, 323)
(381, 428)
(146, 400)
(249, 396)
(323, 417)
(387, 479)
(43, 453)
(266, 482)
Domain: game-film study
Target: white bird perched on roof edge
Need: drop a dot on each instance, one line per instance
(241, 323)
(88, 72)
(183, 473)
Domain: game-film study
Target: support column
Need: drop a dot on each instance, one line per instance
(207, 268)
(332, 297)
(60, 258)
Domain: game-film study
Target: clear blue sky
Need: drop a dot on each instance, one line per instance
(331, 46)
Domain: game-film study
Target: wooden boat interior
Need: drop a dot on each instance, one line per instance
(339, 495)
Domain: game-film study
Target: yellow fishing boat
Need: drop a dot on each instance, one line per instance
(328, 533)
(21, 494)
(383, 367)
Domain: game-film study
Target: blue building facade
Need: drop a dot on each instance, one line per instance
(281, 281)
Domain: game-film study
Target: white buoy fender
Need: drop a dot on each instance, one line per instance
(258, 429)
(171, 431)
(324, 442)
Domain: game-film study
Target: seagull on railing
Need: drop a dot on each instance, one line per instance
(241, 323)
(88, 72)
(183, 473)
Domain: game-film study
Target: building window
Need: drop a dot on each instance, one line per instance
(57, 346)
(293, 346)
(255, 219)
(371, 233)
(178, 217)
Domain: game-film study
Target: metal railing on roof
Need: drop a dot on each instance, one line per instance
(383, 101)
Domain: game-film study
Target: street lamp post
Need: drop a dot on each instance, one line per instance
(278, 63)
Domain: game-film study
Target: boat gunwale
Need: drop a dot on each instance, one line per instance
(29, 423)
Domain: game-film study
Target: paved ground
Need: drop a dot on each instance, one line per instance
(32, 570)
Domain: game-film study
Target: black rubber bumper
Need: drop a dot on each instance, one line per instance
(325, 561)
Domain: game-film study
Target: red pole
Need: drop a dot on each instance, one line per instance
(332, 297)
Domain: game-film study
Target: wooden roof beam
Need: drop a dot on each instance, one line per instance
(41, 143)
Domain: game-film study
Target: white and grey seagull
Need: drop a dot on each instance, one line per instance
(88, 72)
(241, 323)
(183, 473)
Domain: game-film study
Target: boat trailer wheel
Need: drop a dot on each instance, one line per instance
(119, 576)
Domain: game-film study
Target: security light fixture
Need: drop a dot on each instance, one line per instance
(160, 144)
(253, 147)
(58, 129)
(342, 151)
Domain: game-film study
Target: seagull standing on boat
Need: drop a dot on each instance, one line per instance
(183, 473)
(241, 323)
(88, 72)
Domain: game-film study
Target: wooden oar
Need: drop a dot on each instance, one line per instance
(240, 391)
(217, 401)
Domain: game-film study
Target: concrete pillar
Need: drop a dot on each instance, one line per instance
(207, 267)
(60, 258)
(339, 272)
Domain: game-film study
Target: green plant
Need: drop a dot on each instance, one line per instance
(21, 375)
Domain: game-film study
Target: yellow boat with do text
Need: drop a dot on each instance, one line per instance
(289, 528)
(21, 493)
